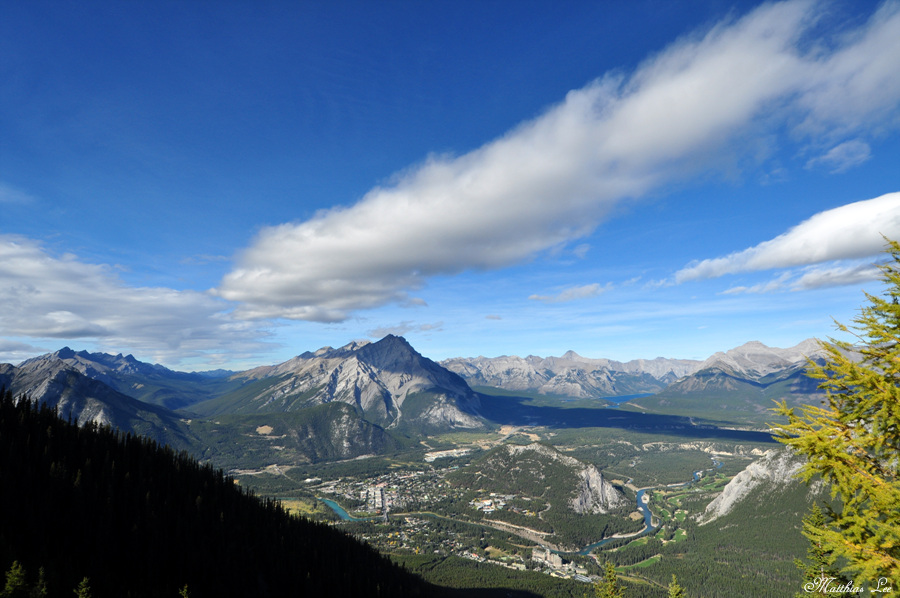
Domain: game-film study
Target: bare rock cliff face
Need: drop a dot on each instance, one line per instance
(378, 378)
(57, 385)
(595, 494)
(777, 468)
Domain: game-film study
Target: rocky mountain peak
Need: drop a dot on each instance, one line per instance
(328, 352)
(377, 378)
(757, 359)
(64, 353)
(50, 363)
(390, 353)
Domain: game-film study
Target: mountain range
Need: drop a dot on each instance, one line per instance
(384, 398)
(581, 377)
(347, 402)
(740, 385)
(150, 383)
(571, 375)
(51, 381)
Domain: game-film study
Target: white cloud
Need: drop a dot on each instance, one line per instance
(573, 294)
(9, 194)
(816, 278)
(704, 103)
(16, 352)
(45, 296)
(415, 302)
(857, 86)
(403, 328)
(848, 232)
(776, 284)
(581, 250)
(843, 157)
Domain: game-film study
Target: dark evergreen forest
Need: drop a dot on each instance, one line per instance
(141, 520)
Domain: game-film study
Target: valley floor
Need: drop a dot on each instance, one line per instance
(409, 506)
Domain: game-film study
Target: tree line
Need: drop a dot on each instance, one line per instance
(140, 519)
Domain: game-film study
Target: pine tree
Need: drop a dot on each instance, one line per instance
(608, 587)
(39, 590)
(84, 589)
(819, 566)
(15, 586)
(853, 441)
(675, 590)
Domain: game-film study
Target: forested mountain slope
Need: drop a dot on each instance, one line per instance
(141, 520)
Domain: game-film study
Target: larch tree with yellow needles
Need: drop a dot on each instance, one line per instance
(852, 441)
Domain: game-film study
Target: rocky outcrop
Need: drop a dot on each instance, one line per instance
(776, 469)
(595, 494)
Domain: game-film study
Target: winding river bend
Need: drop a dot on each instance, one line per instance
(644, 507)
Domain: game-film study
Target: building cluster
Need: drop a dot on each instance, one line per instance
(395, 491)
(400, 491)
(545, 556)
(416, 535)
(380, 499)
(496, 502)
(508, 562)
(558, 568)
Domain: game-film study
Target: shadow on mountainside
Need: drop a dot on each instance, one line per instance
(519, 411)
(446, 592)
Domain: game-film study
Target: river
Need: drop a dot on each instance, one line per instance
(642, 506)
(340, 512)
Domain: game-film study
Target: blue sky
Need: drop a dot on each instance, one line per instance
(230, 184)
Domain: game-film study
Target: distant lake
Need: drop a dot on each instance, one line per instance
(625, 398)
